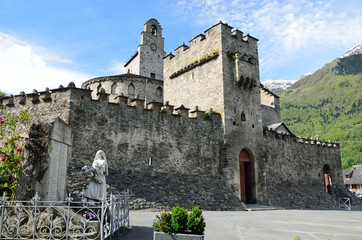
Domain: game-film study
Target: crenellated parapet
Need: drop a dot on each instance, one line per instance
(219, 61)
(62, 99)
(291, 138)
(218, 37)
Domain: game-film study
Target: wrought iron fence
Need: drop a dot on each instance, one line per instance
(344, 203)
(67, 219)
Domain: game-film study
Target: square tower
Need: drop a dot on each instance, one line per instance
(220, 70)
(148, 60)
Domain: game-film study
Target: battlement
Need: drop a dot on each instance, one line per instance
(309, 141)
(217, 36)
(75, 99)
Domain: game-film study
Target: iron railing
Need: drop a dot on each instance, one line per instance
(344, 203)
(67, 219)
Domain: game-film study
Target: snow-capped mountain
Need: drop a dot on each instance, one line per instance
(353, 51)
(305, 75)
(277, 86)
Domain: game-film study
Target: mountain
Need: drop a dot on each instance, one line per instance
(277, 86)
(327, 104)
(353, 51)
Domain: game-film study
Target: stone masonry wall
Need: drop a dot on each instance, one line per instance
(291, 171)
(144, 88)
(270, 107)
(199, 85)
(270, 115)
(163, 158)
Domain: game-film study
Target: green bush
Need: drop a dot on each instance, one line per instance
(162, 223)
(196, 223)
(179, 219)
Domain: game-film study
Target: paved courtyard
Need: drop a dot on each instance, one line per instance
(272, 224)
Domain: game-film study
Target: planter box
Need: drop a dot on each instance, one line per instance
(176, 236)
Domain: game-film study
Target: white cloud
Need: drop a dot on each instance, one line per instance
(286, 28)
(24, 67)
(117, 68)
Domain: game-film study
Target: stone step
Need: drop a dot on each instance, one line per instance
(257, 207)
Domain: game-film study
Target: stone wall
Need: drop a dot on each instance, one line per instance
(200, 85)
(290, 167)
(270, 115)
(129, 85)
(45, 161)
(132, 136)
(158, 150)
(270, 107)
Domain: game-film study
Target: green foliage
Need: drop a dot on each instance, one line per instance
(196, 223)
(2, 94)
(162, 223)
(179, 219)
(207, 115)
(203, 58)
(296, 237)
(216, 51)
(328, 103)
(13, 129)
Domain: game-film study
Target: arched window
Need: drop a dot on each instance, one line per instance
(153, 30)
(243, 118)
(159, 92)
(131, 89)
(99, 88)
(114, 88)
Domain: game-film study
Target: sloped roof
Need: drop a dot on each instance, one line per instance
(130, 60)
(355, 176)
(279, 126)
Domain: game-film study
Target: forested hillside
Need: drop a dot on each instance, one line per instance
(327, 104)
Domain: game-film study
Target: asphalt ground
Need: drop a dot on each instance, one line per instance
(270, 225)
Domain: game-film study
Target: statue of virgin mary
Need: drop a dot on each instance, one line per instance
(97, 185)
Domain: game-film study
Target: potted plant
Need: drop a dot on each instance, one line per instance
(179, 225)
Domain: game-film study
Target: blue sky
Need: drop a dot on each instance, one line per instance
(47, 43)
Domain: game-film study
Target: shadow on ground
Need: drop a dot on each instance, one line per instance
(139, 233)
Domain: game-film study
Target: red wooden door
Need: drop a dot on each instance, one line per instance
(246, 190)
(327, 184)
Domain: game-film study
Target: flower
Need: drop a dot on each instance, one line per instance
(26, 139)
(1, 122)
(3, 159)
(6, 143)
(18, 149)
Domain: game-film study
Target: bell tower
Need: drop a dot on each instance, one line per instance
(148, 61)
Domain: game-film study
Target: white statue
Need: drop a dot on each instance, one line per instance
(97, 173)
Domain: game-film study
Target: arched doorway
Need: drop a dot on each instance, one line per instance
(246, 183)
(327, 179)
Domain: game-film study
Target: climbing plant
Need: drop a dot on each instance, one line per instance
(13, 138)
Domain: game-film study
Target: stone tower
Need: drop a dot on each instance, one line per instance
(148, 60)
(220, 70)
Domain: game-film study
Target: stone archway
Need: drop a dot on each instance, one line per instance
(246, 177)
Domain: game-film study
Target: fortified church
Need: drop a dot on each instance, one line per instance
(192, 127)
